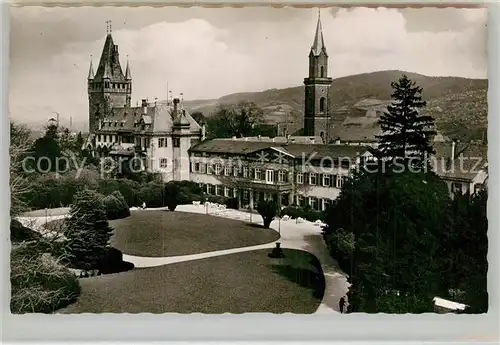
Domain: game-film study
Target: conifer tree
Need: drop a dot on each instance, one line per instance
(88, 231)
(406, 133)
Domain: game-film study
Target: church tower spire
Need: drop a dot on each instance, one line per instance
(317, 87)
(318, 43)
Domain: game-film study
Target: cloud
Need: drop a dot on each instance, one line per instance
(207, 57)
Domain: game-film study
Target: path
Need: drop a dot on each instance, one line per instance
(304, 236)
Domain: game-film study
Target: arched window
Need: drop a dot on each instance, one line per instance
(322, 104)
(322, 72)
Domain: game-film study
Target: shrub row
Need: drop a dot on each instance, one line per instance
(305, 213)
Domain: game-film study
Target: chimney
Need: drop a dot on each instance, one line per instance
(176, 102)
(144, 106)
(202, 132)
(453, 152)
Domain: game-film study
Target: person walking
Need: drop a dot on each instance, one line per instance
(342, 304)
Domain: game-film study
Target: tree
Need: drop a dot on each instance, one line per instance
(406, 133)
(237, 120)
(464, 248)
(20, 185)
(268, 210)
(395, 219)
(199, 117)
(87, 231)
(171, 195)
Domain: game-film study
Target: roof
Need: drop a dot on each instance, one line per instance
(109, 64)
(362, 129)
(292, 139)
(441, 302)
(158, 118)
(469, 159)
(295, 150)
(318, 43)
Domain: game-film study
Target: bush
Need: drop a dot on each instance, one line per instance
(341, 247)
(115, 208)
(40, 283)
(268, 209)
(305, 213)
(87, 230)
(172, 192)
(19, 232)
(112, 262)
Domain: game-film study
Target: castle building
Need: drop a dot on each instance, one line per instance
(153, 137)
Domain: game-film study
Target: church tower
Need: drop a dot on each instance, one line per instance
(317, 87)
(108, 88)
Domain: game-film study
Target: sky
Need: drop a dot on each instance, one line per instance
(211, 52)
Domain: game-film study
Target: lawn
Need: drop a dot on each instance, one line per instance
(164, 233)
(235, 283)
(49, 212)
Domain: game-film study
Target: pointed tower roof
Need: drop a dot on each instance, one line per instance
(109, 64)
(318, 44)
(91, 70)
(128, 76)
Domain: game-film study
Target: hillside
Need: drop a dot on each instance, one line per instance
(458, 104)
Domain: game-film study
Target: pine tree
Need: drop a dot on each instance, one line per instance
(406, 133)
(88, 231)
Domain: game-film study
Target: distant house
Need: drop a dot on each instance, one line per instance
(463, 166)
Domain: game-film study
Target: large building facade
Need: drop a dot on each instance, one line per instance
(303, 170)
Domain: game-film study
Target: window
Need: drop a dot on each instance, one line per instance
(314, 203)
(226, 192)
(218, 189)
(334, 181)
(322, 105)
(211, 189)
(326, 180)
(227, 171)
(162, 142)
(245, 171)
(300, 178)
(478, 187)
(235, 171)
(108, 139)
(235, 193)
(177, 142)
(269, 176)
(196, 167)
(163, 162)
(210, 169)
(203, 168)
(340, 181)
(456, 188)
(218, 169)
(322, 72)
(258, 174)
(313, 179)
(281, 176)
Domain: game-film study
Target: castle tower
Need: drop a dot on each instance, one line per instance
(108, 88)
(317, 87)
(181, 139)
